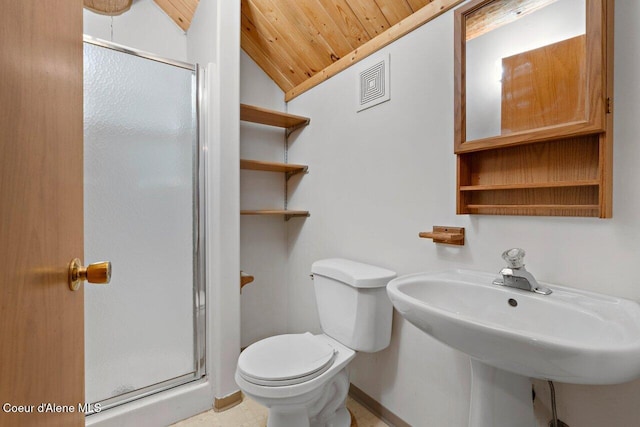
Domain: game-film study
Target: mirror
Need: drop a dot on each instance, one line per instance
(508, 61)
(523, 73)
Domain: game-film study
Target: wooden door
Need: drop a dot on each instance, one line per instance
(41, 215)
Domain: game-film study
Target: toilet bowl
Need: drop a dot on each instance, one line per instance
(303, 378)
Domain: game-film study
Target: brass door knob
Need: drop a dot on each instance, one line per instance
(98, 272)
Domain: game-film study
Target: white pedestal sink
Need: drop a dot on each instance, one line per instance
(571, 336)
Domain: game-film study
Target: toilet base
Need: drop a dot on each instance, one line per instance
(342, 418)
(322, 408)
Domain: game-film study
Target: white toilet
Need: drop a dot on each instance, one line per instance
(302, 378)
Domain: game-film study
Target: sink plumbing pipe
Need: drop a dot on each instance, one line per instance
(555, 422)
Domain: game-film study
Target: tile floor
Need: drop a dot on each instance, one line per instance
(250, 414)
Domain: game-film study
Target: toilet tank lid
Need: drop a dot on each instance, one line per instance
(356, 274)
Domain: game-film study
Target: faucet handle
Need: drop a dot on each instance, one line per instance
(514, 257)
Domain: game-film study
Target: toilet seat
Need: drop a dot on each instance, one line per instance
(285, 360)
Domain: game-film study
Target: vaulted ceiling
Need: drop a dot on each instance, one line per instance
(295, 41)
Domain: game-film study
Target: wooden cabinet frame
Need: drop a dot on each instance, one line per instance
(547, 189)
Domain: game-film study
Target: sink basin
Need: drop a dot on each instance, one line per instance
(570, 335)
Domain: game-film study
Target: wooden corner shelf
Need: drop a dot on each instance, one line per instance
(245, 279)
(249, 113)
(289, 122)
(288, 214)
(258, 165)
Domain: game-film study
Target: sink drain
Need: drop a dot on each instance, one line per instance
(512, 302)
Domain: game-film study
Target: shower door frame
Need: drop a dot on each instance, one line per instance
(199, 233)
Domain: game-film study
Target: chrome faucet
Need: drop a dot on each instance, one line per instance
(515, 275)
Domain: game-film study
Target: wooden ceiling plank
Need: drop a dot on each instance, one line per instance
(370, 16)
(257, 54)
(313, 37)
(346, 20)
(186, 7)
(274, 48)
(288, 49)
(402, 28)
(394, 10)
(286, 43)
(191, 5)
(406, 2)
(291, 35)
(173, 13)
(418, 4)
(185, 13)
(180, 11)
(272, 55)
(320, 20)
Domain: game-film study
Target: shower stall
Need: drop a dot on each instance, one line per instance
(143, 211)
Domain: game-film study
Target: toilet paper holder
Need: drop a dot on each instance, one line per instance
(445, 234)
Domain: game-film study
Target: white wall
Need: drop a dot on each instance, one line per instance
(379, 177)
(214, 41)
(202, 37)
(145, 27)
(263, 244)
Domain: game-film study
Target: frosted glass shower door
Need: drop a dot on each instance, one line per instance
(141, 213)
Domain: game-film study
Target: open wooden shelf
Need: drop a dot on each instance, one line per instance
(288, 214)
(249, 113)
(489, 187)
(258, 165)
(535, 210)
(560, 178)
(521, 207)
(289, 122)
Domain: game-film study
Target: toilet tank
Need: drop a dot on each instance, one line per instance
(353, 304)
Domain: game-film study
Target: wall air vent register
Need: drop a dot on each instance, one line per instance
(373, 82)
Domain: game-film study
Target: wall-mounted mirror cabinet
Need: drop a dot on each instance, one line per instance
(533, 122)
